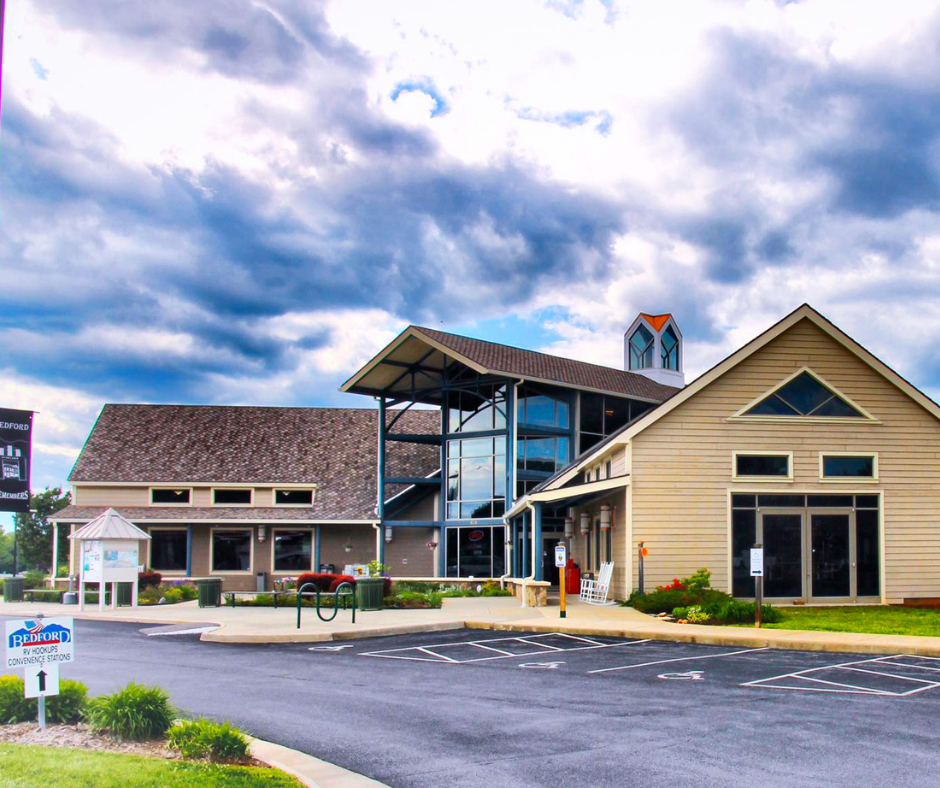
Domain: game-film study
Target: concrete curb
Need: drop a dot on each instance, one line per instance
(786, 640)
(310, 771)
(220, 636)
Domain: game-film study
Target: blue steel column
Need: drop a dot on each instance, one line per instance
(189, 550)
(442, 509)
(380, 505)
(537, 537)
(316, 549)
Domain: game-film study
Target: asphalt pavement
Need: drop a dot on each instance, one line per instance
(472, 708)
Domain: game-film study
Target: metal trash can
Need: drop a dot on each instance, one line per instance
(210, 592)
(369, 591)
(261, 581)
(13, 589)
(125, 594)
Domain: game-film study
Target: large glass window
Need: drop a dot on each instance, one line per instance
(540, 410)
(227, 496)
(670, 349)
(641, 349)
(867, 552)
(477, 410)
(293, 551)
(476, 478)
(173, 497)
(842, 467)
(762, 465)
(292, 497)
(476, 552)
(804, 396)
(743, 538)
(542, 455)
(602, 415)
(231, 550)
(168, 550)
(783, 555)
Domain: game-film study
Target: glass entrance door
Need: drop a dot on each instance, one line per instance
(830, 555)
(782, 536)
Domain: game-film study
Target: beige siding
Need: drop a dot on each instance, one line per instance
(112, 496)
(618, 464)
(682, 464)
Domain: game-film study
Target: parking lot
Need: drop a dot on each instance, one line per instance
(894, 676)
(479, 708)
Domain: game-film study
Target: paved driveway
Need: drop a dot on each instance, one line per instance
(470, 708)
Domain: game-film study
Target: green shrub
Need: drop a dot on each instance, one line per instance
(136, 712)
(680, 612)
(669, 599)
(697, 616)
(218, 742)
(172, 595)
(701, 580)
(1, 586)
(189, 592)
(13, 706)
(34, 579)
(62, 571)
(67, 706)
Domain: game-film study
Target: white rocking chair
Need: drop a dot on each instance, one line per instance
(594, 592)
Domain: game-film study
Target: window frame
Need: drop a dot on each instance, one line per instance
(287, 488)
(873, 455)
(251, 550)
(743, 415)
(251, 496)
(163, 487)
(165, 572)
(648, 348)
(735, 477)
(291, 530)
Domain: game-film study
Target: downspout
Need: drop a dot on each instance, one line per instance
(380, 543)
(513, 431)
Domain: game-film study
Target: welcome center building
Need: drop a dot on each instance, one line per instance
(481, 457)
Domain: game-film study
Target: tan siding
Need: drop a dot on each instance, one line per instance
(113, 496)
(618, 465)
(682, 464)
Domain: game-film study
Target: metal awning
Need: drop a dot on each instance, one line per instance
(572, 496)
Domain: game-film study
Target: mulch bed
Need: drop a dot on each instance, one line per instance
(80, 737)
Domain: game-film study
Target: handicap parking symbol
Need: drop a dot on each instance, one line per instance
(689, 675)
(541, 665)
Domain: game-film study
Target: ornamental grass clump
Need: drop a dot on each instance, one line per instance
(136, 712)
(205, 739)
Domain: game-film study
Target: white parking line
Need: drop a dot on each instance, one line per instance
(678, 659)
(406, 652)
(857, 689)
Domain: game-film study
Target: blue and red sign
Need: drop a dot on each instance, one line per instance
(40, 641)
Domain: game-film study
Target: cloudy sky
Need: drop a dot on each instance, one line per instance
(239, 202)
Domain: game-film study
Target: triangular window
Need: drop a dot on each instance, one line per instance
(804, 395)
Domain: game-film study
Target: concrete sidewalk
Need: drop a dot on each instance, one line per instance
(266, 625)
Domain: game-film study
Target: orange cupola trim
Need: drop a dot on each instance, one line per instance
(656, 321)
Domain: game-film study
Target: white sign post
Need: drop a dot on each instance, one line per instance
(757, 562)
(39, 646)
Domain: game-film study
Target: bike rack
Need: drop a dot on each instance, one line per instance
(336, 596)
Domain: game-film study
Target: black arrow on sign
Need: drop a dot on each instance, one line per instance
(42, 680)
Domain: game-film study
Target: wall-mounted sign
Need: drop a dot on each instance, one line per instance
(16, 429)
(476, 536)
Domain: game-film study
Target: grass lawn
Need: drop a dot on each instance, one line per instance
(23, 766)
(862, 618)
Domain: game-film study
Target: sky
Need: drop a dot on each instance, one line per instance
(241, 202)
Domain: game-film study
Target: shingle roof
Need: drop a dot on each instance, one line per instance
(517, 362)
(334, 448)
(207, 514)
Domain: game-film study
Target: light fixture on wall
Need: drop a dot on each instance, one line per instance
(348, 547)
(569, 527)
(606, 516)
(585, 523)
(262, 533)
(388, 533)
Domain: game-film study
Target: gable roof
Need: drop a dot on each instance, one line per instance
(803, 312)
(332, 448)
(110, 525)
(432, 350)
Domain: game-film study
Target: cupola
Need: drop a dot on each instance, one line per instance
(652, 347)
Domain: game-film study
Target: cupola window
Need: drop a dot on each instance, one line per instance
(641, 349)
(670, 349)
